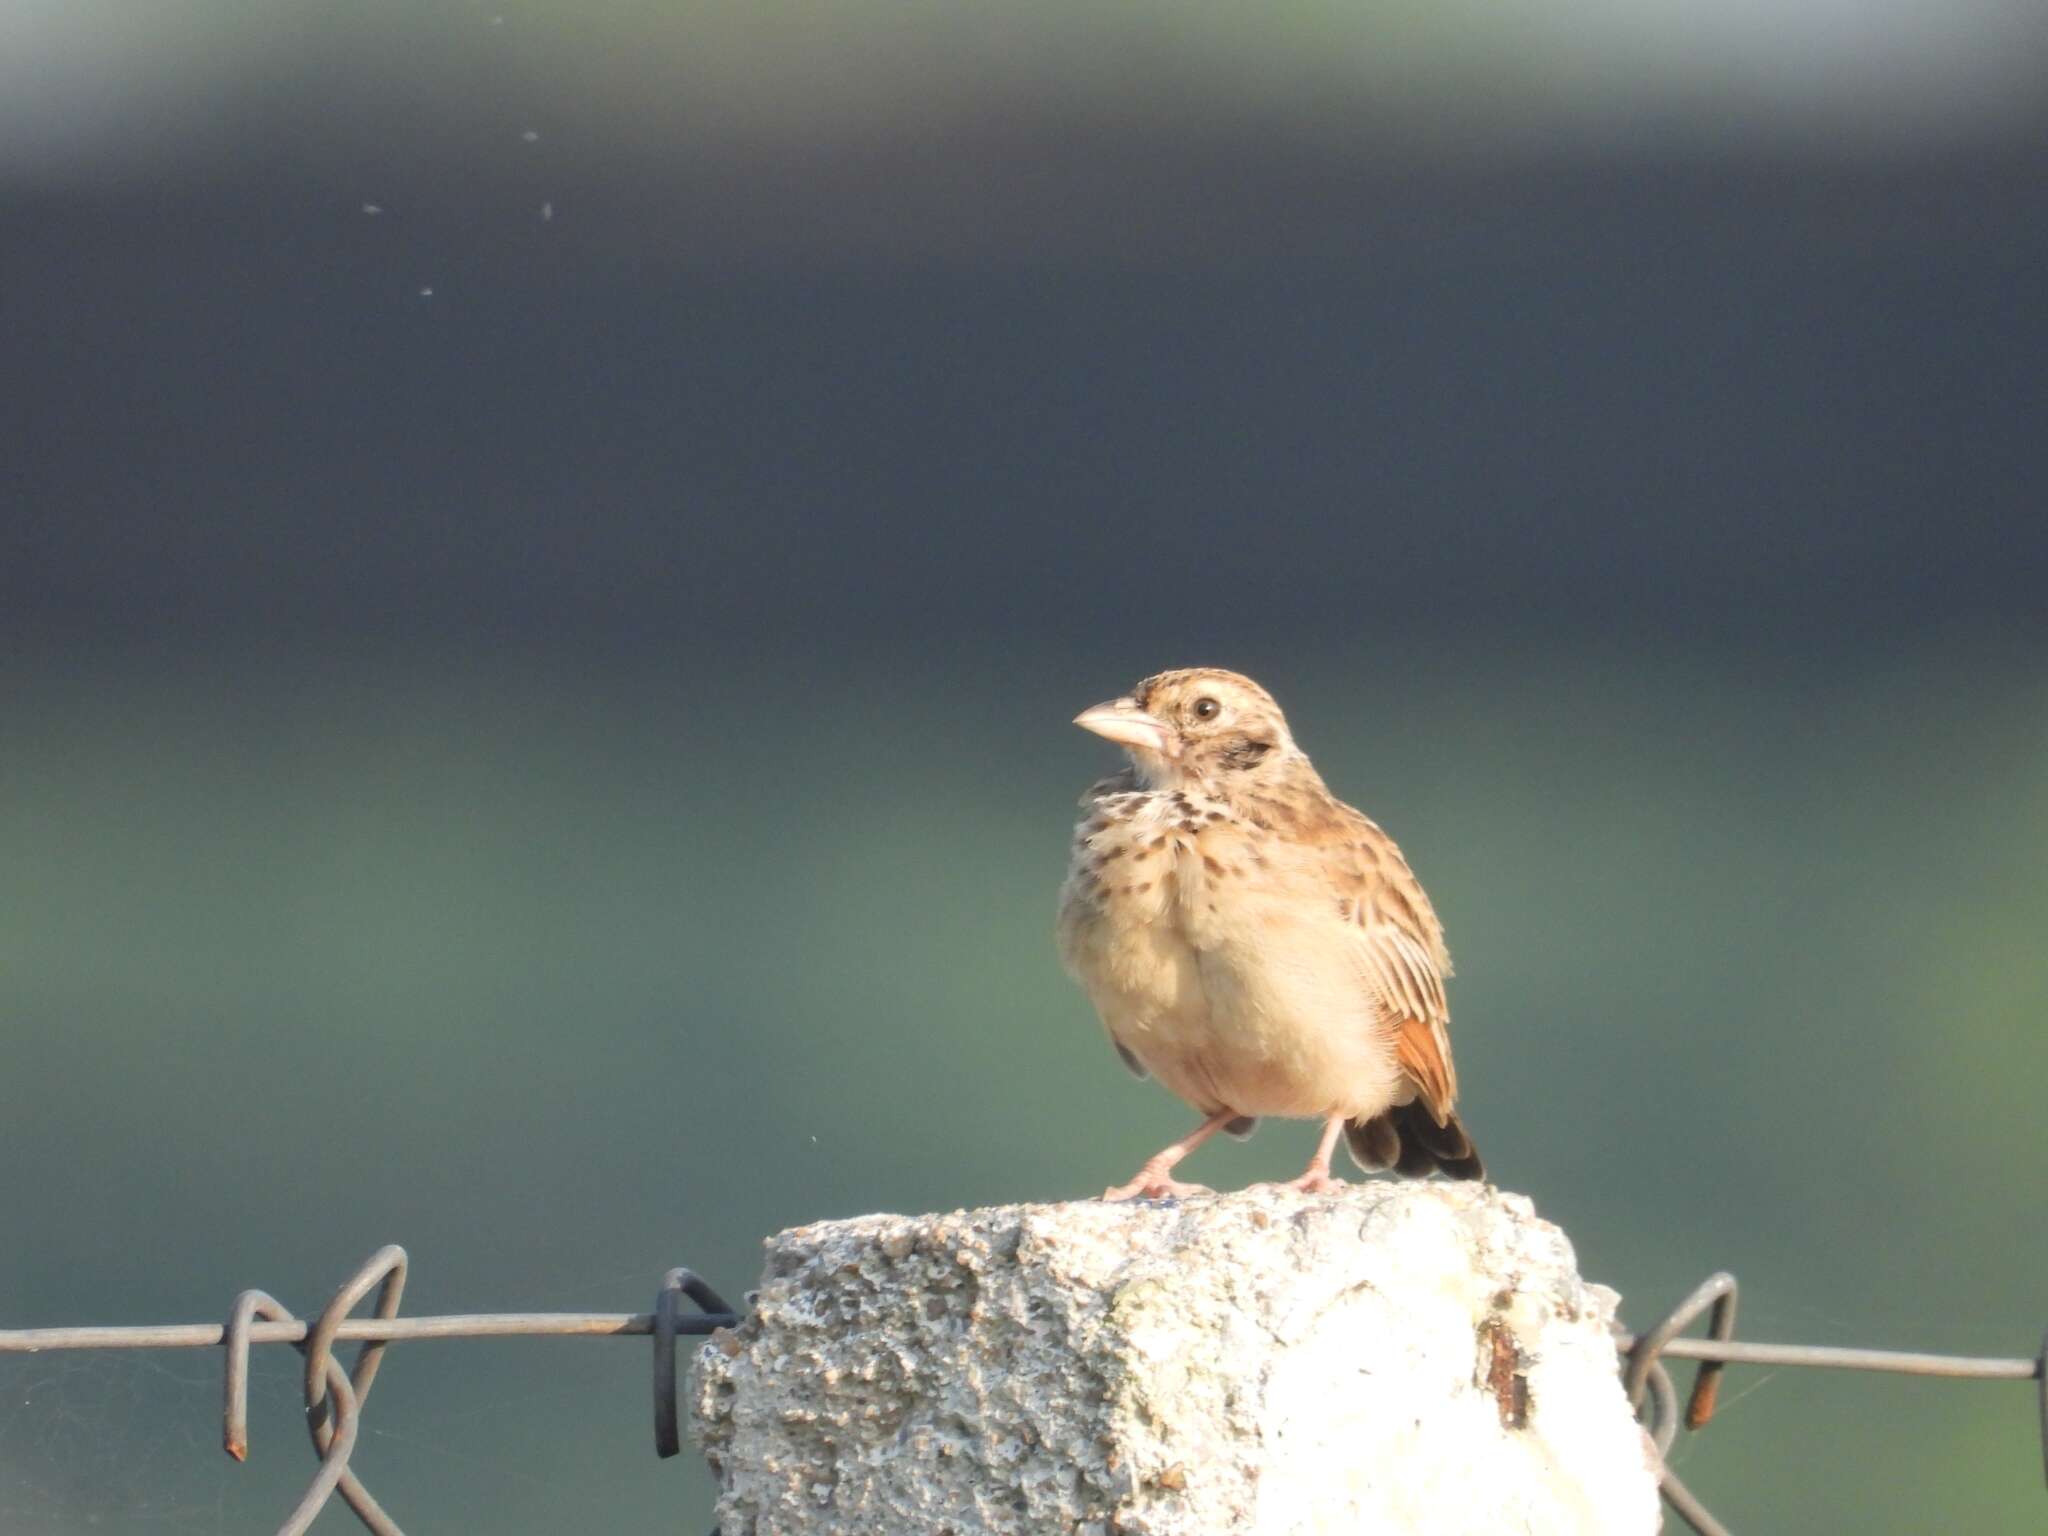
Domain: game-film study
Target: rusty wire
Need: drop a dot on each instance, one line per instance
(1649, 1384)
(334, 1397)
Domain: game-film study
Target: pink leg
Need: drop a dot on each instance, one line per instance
(1318, 1179)
(1153, 1181)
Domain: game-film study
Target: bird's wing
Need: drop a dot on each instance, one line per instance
(1413, 991)
(1403, 957)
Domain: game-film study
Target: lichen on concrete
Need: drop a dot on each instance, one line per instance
(1392, 1358)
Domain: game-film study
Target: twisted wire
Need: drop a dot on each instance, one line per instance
(334, 1396)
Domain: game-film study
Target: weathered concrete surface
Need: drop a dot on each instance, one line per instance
(1394, 1358)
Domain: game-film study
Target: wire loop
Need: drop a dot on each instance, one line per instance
(340, 1435)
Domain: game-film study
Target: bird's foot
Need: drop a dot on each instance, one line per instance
(1151, 1185)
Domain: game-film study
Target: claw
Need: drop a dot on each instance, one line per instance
(1316, 1181)
(1155, 1180)
(1155, 1187)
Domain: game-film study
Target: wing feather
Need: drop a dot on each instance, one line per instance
(1404, 962)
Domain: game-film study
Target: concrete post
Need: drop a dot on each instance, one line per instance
(1395, 1358)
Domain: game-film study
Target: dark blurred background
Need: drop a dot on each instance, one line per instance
(547, 552)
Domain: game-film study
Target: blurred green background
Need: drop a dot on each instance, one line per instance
(546, 556)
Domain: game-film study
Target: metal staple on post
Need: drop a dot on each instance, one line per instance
(675, 1285)
(334, 1396)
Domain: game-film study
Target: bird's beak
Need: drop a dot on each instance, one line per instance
(1121, 721)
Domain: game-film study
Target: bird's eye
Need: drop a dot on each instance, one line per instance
(1207, 709)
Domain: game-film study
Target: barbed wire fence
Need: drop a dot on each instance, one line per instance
(334, 1396)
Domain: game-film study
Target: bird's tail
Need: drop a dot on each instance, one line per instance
(1408, 1140)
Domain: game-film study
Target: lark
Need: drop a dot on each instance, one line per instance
(1254, 943)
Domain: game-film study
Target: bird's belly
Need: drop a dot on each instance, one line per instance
(1265, 1024)
(1292, 1030)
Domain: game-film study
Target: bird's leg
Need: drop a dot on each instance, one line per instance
(1154, 1179)
(1318, 1179)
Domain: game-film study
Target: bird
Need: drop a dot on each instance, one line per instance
(1255, 944)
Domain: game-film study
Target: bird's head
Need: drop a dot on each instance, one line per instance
(1198, 725)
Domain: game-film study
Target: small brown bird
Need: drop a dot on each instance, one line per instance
(1253, 942)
